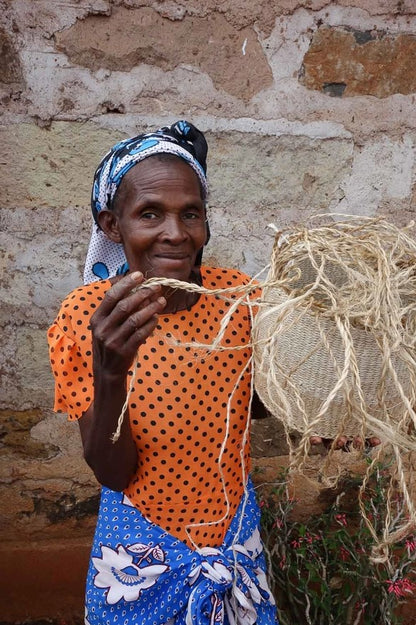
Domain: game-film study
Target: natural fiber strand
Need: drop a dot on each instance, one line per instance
(116, 435)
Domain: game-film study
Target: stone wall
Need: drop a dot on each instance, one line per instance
(308, 107)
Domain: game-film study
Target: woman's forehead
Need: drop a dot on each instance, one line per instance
(158, 171)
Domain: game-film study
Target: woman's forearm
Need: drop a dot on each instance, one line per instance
(124, 320)
(113, 463)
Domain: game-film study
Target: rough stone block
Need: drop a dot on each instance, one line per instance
(310, 495)
(129, 38)
(50, 166)
(43, 251)
(46, 506)
(15, 434)
(27, 381)
(43, 581)
(380, 179)
(346, 62)
(256, 180)
(268, 438)
(285, 179)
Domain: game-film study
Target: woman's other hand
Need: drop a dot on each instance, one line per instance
(345, 444)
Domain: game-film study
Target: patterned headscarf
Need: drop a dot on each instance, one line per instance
(104, 257)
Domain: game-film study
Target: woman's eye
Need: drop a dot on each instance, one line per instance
(148, 215)
(192, 215)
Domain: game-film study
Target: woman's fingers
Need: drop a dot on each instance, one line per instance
(126, 308)
(138, 325)
(123, 299)
(118, 291)
(345, 444)
(124, 320)
(140, 334)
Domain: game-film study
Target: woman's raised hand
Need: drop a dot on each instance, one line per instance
(124, 320)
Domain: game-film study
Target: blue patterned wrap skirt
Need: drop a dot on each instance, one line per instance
(140, 574)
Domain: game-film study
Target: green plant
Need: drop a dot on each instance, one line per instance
(321, 569)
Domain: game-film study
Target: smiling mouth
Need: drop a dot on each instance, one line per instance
(170, 256)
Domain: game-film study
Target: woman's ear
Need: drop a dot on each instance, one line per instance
(108, 222)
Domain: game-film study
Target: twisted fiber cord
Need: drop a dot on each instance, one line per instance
(246, 290)
(221, 472)
(242, 452)
(393, 531)
(380, 551)
(196, 288)
(396, 526)
(361, 255)
(116, 434)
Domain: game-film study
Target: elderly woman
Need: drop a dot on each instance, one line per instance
(177, 539)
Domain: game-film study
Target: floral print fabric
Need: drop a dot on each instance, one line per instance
(140, 574)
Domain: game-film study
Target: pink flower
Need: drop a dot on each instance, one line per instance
(411, 545)
(341, 519)
(278, 523)
(400, 586)
(308, 538)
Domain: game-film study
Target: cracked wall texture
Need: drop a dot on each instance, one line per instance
(308, 106)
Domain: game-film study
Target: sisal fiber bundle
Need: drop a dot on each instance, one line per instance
(334, 345)
(334, 352)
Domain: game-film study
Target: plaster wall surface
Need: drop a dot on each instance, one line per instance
(308, 107)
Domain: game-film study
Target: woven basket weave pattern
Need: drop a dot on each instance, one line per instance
(334, 346)
(295, 365)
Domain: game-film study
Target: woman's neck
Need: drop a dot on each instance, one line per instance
(181, 299)
(178, 299)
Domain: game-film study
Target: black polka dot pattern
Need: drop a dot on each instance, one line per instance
(188, 453)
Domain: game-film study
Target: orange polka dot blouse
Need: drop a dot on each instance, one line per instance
(188, 407)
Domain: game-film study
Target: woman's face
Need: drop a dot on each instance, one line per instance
(159, 217)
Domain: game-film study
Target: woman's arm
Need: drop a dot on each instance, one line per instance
(258, 410)
(122, 323)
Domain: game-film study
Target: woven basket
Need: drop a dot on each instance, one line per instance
(299, 357)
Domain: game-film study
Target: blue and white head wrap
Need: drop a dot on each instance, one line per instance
(104, 257)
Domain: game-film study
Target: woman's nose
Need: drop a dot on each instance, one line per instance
(175, 230)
